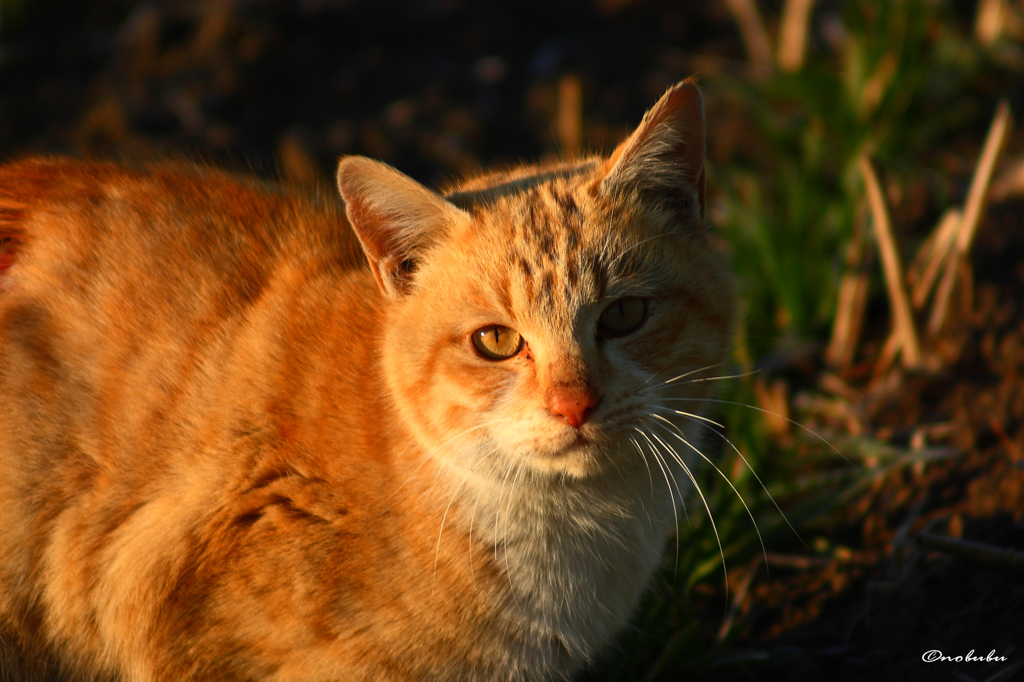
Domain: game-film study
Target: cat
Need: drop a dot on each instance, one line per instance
(248, 434)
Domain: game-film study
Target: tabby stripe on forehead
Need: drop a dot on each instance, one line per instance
(566, 219)
(567, 203)
(538, 224)
(547, 285)
(524, 264)
(528, 284)
(503, 289)
(571, 270)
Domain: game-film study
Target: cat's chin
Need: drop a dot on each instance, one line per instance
(579, 458)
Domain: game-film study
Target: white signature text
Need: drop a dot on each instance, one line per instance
(936, 655)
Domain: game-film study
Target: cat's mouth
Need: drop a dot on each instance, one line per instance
(578, 441)
(577, 456)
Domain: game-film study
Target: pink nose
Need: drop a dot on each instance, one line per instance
(572, 403)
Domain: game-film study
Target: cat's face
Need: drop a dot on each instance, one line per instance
(538, 319)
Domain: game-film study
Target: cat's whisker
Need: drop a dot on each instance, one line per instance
(691, 415)
(645, 382)
(501, 540)
(606, 247)
(745, 462)
(481, 456)
(724, 377)
(437, 550)
(647, 465)
(424, 460)
(679, 434)
(508, 570)
(650, 478)
(497, 510)
(764, 411)
(707, 507)
(475, 455)
(646, 387)
(478, 455)
(682, 501)
(667, 471)
(472, 519)
(624, 252)
(692, 372)
(721, 377)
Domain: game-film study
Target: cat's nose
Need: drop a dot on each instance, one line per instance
(575, 404)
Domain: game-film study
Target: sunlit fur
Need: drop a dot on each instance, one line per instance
(233, 452)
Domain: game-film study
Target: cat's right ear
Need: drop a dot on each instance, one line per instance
(395, 218)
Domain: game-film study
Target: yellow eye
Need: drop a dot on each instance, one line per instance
(495, 342)
(622, 317)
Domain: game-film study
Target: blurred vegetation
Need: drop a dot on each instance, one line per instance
(891, 82)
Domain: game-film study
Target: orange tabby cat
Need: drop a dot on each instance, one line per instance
(231, 451)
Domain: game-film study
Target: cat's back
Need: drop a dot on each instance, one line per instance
(134, 296)
(125, 285)
(155, 322)
(180, 226)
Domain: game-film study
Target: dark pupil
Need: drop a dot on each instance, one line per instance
(622, 309)
(495, 336)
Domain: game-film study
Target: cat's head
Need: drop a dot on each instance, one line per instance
(537, 316)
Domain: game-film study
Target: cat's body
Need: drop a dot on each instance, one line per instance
(231, 451)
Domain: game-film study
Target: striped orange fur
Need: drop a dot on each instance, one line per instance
(252, 435)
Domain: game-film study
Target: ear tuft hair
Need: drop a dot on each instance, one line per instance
(664, 157)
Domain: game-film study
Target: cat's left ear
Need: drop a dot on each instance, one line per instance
(664, 157)
(395, 218)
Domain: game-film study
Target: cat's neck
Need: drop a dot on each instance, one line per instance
(573, 553)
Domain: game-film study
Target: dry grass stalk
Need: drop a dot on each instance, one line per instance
(886, 358)
(940, 305)
(933, 253)
(973, 551)
(977, 197)
(774, 400)
(793, 34)
(853, 297)
(741, 595)
(836, 386)
(903, 321)
(754, 35)
(877, 85)
(988, 21)
(570, 115)
(800, 563)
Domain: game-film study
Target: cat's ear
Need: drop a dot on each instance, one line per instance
(395, 218)
(664, 157)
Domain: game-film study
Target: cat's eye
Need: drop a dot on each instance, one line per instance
(622, 317)
(495, 342)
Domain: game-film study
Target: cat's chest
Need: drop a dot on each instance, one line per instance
(574, 567)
